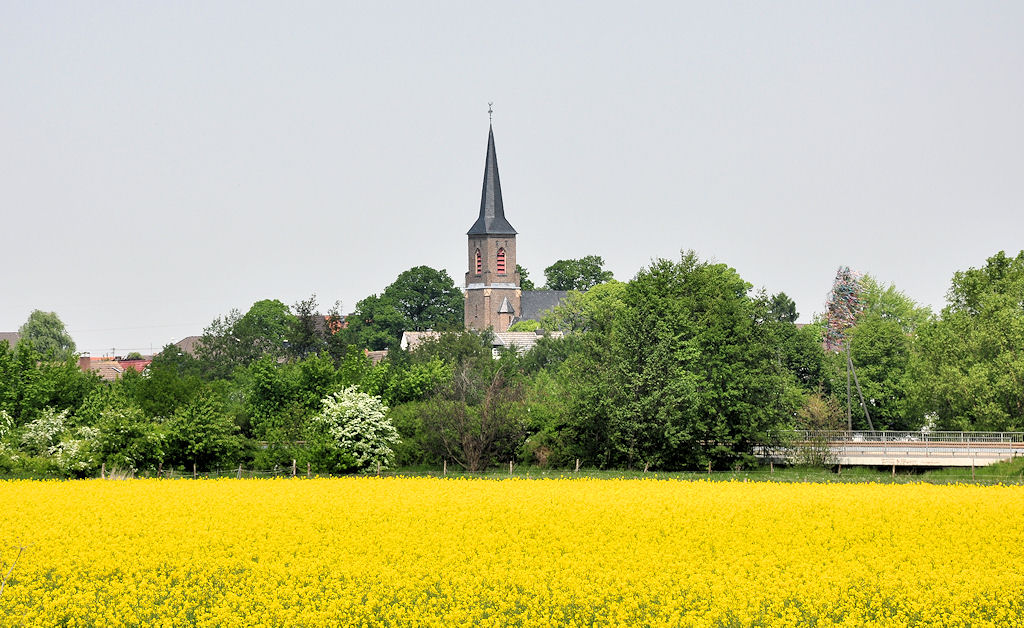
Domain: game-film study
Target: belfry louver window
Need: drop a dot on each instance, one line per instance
(501, 261)
(479, 262)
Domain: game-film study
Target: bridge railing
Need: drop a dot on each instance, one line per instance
(891, 436)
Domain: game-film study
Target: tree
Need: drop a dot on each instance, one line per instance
(968, 369)
(201, 434)
(593, 310)
(427, 299)
(881, 341)
(783, 309)
(376, 324)
(478, 417)
(525, 283)
(46, 332)
(420, 298)
(239, 340)
(352, 432)
(173, 380)
(698, 378)
(577, 274)
(309, 331)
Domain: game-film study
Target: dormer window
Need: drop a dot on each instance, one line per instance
(501, 261)
(479, 262)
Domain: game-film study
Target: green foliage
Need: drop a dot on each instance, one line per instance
(525, 326)
(593, 310)
(29, 384)
(881, 345)
(968, 370)
(454, 347)
(577, 274)
(46, 333)
(275, 404)
(525, 283)
(172, 381)
(352, 432)
(239, 340)
(201, 434)
(127, 439)
(698, 380)
(478, 417)
(427, 299)
(782, 309)
(420, 298)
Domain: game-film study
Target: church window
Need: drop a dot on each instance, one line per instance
(501, 261)
(479, 262)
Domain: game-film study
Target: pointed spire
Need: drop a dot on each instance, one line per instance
(492, 211)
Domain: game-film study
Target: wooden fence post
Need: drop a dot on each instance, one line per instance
(103, 471)
(445, 469)
(308, 468)
(577, 465)
(293, 467)
(160, 470)
(239, 471)
(509, 468)
(193, 470)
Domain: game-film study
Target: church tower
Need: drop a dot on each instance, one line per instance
(492, 281)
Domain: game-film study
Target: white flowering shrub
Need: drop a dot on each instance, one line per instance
(75, 453)
(40, 437)
(352, 430)
(6, 424)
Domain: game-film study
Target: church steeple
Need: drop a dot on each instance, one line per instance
(493, 297)
(492, 211)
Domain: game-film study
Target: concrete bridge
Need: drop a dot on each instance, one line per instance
(902, 449)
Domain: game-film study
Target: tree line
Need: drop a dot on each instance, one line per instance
(682, 367)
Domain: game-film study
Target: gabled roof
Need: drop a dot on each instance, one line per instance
(492, 211)
(534, 303)
(412, 339)
(189, 345)
(521, 341)
(10, 336)
(505, 307)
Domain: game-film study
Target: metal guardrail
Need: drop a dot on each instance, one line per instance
(890, 436)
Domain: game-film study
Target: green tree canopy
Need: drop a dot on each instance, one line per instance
(577, 274)
(881, 344)
(238, 340)
(699, 381)
(47, 334)
(525, 282)
(969, 367)
(420, 298)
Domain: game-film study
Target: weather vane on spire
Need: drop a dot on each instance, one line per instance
(490, 111)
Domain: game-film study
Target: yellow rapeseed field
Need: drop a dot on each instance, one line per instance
(433, 552)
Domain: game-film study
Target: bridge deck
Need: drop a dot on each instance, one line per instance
(911, 449)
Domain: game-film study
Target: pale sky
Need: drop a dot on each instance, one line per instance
(162, 163)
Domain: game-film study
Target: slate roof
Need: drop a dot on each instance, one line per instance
(10, 336)
(534, 303)
(492, 211)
